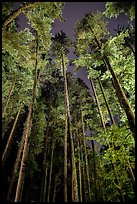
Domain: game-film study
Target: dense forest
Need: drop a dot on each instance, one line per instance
(60, 142)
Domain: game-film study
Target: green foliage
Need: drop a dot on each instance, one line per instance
(113, 9)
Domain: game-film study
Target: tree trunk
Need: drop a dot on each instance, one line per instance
(68, 120)
(98, 105)
(66, 132)
(16, 13)
(120, 93)
(94, 172)
(8, 97)
(10, 139)
(106, 102)
(44, 166)
(79, 168)
(15, 168)
(4, 127)
(50, 174)
(85, 154)
(20, 184)
(21, 178)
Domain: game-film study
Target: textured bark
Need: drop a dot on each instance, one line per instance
(8, 97)
(10, 139)
(50, 173)
(85, 155)
(98, 105)
(16, 13)
(106, 102)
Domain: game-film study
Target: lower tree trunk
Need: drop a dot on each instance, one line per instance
(10, 139)
(20, 184)
(86, 159)
(50, 173)
(15, 168)
(8, 97)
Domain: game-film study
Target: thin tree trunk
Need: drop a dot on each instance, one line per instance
(4, 127)
(120, 93)
(8, 97)
(130, 46)
(15, 168)
(79, 167)
(16, 13)
(66, 132)
(85, 154)
(106, 102)
(98, 105)
(79, 162)
(19, 189)
(21, 178)
(50, 174)
(95, 171)
(10, 139)
(74, 177)
(44, 166)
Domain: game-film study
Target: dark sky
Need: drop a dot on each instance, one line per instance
(72, 12)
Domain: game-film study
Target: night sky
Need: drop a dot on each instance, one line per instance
(73, 12)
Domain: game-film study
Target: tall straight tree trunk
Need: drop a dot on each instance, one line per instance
(44, 166)
(20, 184)
(79, 160)
(106, 102)
(50, 173)
(85, 154)
(79, 168)
(98, 104)
(119, 91)
(10, 139)
(16, 13)
(95, 171)
(8, 97)
(74, 177)
(15, 168)
(66, 131)
(21, 178)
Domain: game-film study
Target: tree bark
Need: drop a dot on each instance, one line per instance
(95, 171)
(50, 174)
(44, 166)
(10, 139)
(8, 97)
(68, 120)
(16, 13)
(21, 178)
(98, 105)
(106, 102)
(15, 168)
(66, 131)
(85, 155)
